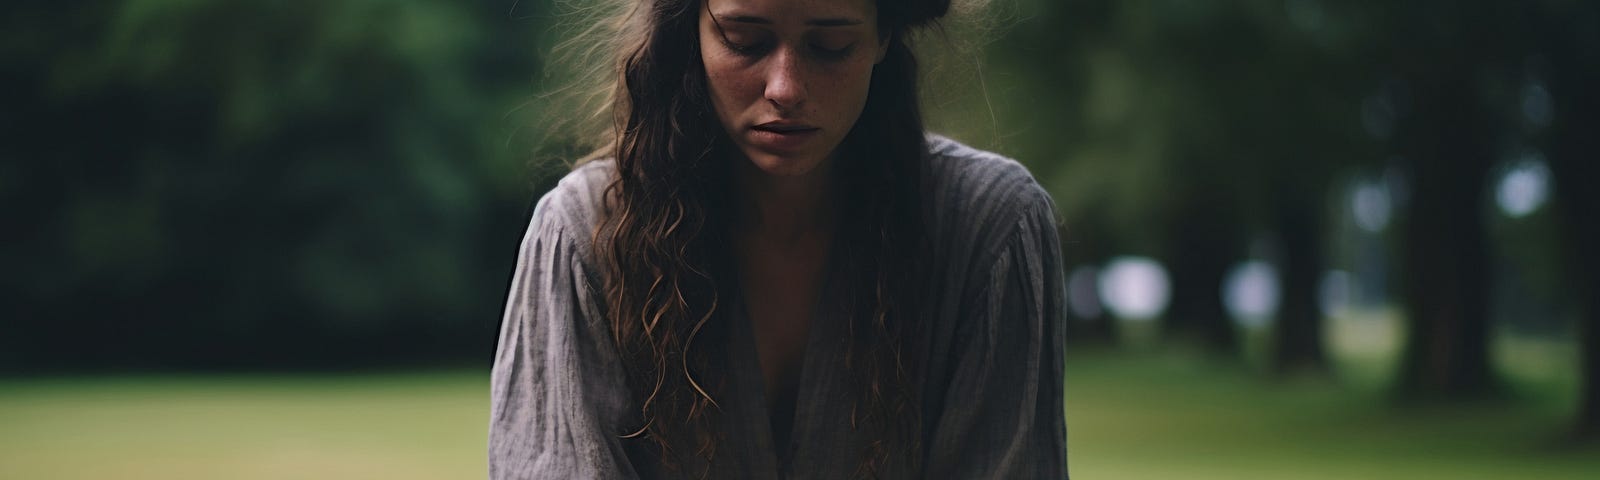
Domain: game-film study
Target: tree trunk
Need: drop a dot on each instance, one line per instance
(1572, 153)
(1297, 336)
(1449, 143)
(1205, 245)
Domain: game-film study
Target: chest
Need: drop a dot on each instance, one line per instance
(781, 289)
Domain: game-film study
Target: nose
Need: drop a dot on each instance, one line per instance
(786, 87)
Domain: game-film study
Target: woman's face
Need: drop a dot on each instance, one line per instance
(788, 78)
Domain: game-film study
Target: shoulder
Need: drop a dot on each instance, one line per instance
(576, 202)
(569, 212)
(981, 195)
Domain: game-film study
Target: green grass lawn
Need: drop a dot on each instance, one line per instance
(390, 426)
(1174, 418)
(1131, 415)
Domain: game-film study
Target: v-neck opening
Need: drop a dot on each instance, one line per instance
(783, 450)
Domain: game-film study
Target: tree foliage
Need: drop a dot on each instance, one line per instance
(260, 182)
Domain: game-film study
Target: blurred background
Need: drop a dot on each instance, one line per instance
(1306, 239)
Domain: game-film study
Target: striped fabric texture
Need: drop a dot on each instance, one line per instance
(991, 319)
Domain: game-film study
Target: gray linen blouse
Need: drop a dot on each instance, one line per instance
(992, 360)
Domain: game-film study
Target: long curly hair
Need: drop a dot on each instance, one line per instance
(663, 241)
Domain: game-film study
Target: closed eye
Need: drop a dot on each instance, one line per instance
(833, 54)
(746, 49)
(758, 49)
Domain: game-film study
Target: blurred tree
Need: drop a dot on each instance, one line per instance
(254, 183)
(1215, 120)
(1218, 120)
(1450, 61)
(1565, 40)
(1136, 140)
(1308, 63)
(1184, 51)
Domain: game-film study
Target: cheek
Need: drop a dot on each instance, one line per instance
(724, 72)
(850, 83)
(717, 89)
(729, 85)
(720, 77)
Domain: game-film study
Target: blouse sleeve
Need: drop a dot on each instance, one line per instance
(553, 388)
(1003, 413)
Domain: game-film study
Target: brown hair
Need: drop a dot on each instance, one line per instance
(662, 242)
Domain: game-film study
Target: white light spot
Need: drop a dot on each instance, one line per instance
(1524, 187)
(1251, 293)
(1135, 288)
(1371, 206)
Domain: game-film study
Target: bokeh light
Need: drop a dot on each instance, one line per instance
(1250, 293)
(1524, 186)
(1370, 203)
(1135, 288)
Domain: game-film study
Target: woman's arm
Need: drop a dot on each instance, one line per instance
(1002, 414)
(553, 389)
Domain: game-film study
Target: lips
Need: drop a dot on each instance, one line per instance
(781, 135)
(784, 127)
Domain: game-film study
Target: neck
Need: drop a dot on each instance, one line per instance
(784, 208)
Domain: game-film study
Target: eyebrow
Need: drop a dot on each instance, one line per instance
(815, 22)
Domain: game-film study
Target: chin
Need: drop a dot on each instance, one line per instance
(784, 165)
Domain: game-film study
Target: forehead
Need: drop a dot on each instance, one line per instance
(794, 11)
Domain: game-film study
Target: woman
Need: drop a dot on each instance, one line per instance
(772, 271)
